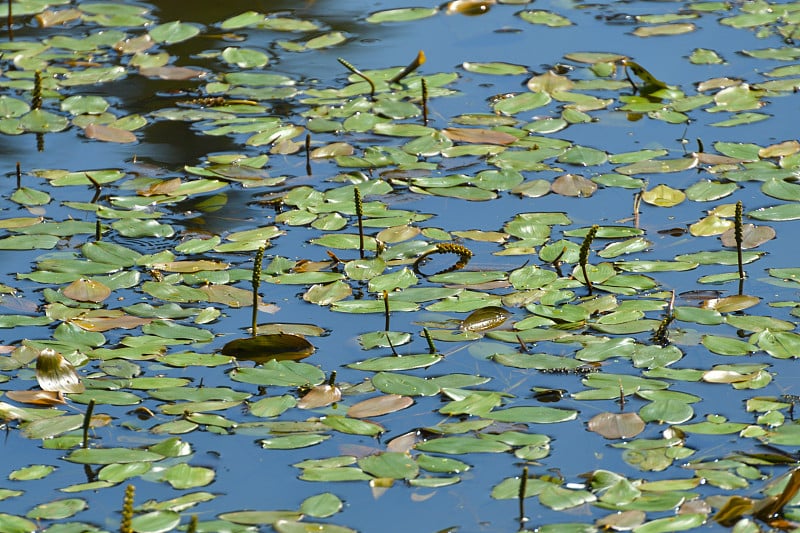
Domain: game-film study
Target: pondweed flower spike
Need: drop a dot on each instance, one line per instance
(424, 102)
(414, 65)
(360, 218)
(87, 419)
(125, 525)
(464, 255)
(360, 74)
(737, 231)
(98, 230)
(637, 201)
(584, 255)
(256, 283)
(36, 99)
(308, 154)
(19, 175)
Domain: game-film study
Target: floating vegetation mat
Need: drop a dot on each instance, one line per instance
(376, 305)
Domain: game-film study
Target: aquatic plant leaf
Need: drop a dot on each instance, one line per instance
(28, 196)
(496, 68)
(320, 396)
(406, 362)
(321, 505)
(42, 121)
(184, 476)
(262, 348)
(663, 196)
(394, 465)
(287, 526)
(401, 15)
(546, 18)
(727, 345)
(85, 290)
(280, 374)
(533, 415)
(404, 385)
(462, 445)
(352, 426)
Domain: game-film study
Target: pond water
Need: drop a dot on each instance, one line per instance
(181, 135)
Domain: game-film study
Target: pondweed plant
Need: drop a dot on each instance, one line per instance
(360, 218)
(738, 235)
(256, 283)
(583, 258)
(361, 75)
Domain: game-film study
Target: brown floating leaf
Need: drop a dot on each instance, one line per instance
(86, 290)
(752, 236)
(162, 187)
(485, 318)
(478, 136)
(109, 134)
(624, 521)
(320, 396)
(617, 425)
(771, 507)
(54, 373)
(263, 348)
(228, 295)
(716, 159)
(172, 73)
(379, 405)
(574, 185)
(37, 397)
(106, 319)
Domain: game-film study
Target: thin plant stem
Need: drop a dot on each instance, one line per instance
(360, 74)
(19, 175)
(87, 419)
(308, 154)
(523, 487)
(10, 22)
(386, 310)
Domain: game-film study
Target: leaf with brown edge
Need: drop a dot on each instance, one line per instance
(107, 319)
(734, 508)
(54, 373)
(263, 348)
(379, 405)
(190, 266)
(752, 236)
(166, 187)
(574, 185)
(616, 425)
(320, 396)
(37, 397)
(549, 83)
(478, 136)
(86, 290)
(172, 73)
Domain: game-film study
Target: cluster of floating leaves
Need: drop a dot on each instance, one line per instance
(192, 282)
